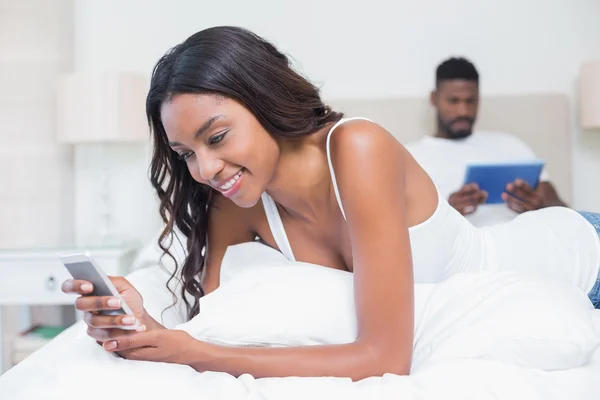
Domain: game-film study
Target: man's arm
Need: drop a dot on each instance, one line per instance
(545, 195)
(549, 195)
(520, 197)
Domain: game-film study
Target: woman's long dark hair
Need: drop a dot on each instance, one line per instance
(237, 64)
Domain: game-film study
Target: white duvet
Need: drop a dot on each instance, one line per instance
(479, 336)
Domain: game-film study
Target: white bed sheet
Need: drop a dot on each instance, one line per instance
(73, 366)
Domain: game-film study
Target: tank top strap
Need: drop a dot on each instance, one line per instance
(331, 171)
(276, 225)
(272, 213)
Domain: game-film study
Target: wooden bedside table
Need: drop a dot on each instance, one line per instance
(31, 276)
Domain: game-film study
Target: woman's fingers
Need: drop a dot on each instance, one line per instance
(97, 303)
(109, 321)
(77, 286)
(101, 335)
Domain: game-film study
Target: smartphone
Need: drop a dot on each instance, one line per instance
(82, 266)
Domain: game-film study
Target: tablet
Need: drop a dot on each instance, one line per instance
(493, 177)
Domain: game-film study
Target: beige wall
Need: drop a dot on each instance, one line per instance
(36, 180)
(35, 173)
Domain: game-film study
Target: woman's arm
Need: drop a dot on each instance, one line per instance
(228, 225)
(368, 163)
(369, 166)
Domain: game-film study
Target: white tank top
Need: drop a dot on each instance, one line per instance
(554, 243)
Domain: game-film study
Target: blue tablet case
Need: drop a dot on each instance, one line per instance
(493, 178)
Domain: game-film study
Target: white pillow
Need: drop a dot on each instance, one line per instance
(266, 300)
(507, 317)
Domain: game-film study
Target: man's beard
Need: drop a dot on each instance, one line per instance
(457, 134)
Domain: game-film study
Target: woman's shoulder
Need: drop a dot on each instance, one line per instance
(352, 138)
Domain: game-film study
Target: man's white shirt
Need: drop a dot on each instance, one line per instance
(445, 160)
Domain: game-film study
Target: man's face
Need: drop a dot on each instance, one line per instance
(456, 102)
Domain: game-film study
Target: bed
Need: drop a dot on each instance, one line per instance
(480, 336)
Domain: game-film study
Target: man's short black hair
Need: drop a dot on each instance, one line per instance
(456, 68)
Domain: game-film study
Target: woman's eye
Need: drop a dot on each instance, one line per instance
(217, 138)
(185, 156)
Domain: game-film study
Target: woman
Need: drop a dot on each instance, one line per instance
(244, 149)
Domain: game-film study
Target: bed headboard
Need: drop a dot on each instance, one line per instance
(541, 120)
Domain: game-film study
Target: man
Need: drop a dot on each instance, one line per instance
(445, 155)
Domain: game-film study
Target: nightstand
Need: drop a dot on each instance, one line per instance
(32, 276)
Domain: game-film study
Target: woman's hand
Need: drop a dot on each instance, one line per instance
(106, 327)
(164, 345)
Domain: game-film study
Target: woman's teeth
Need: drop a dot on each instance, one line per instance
(232, 181)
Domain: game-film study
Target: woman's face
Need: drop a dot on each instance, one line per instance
(223, 145)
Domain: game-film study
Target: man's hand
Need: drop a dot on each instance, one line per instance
(466, 200)
(521, 197)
